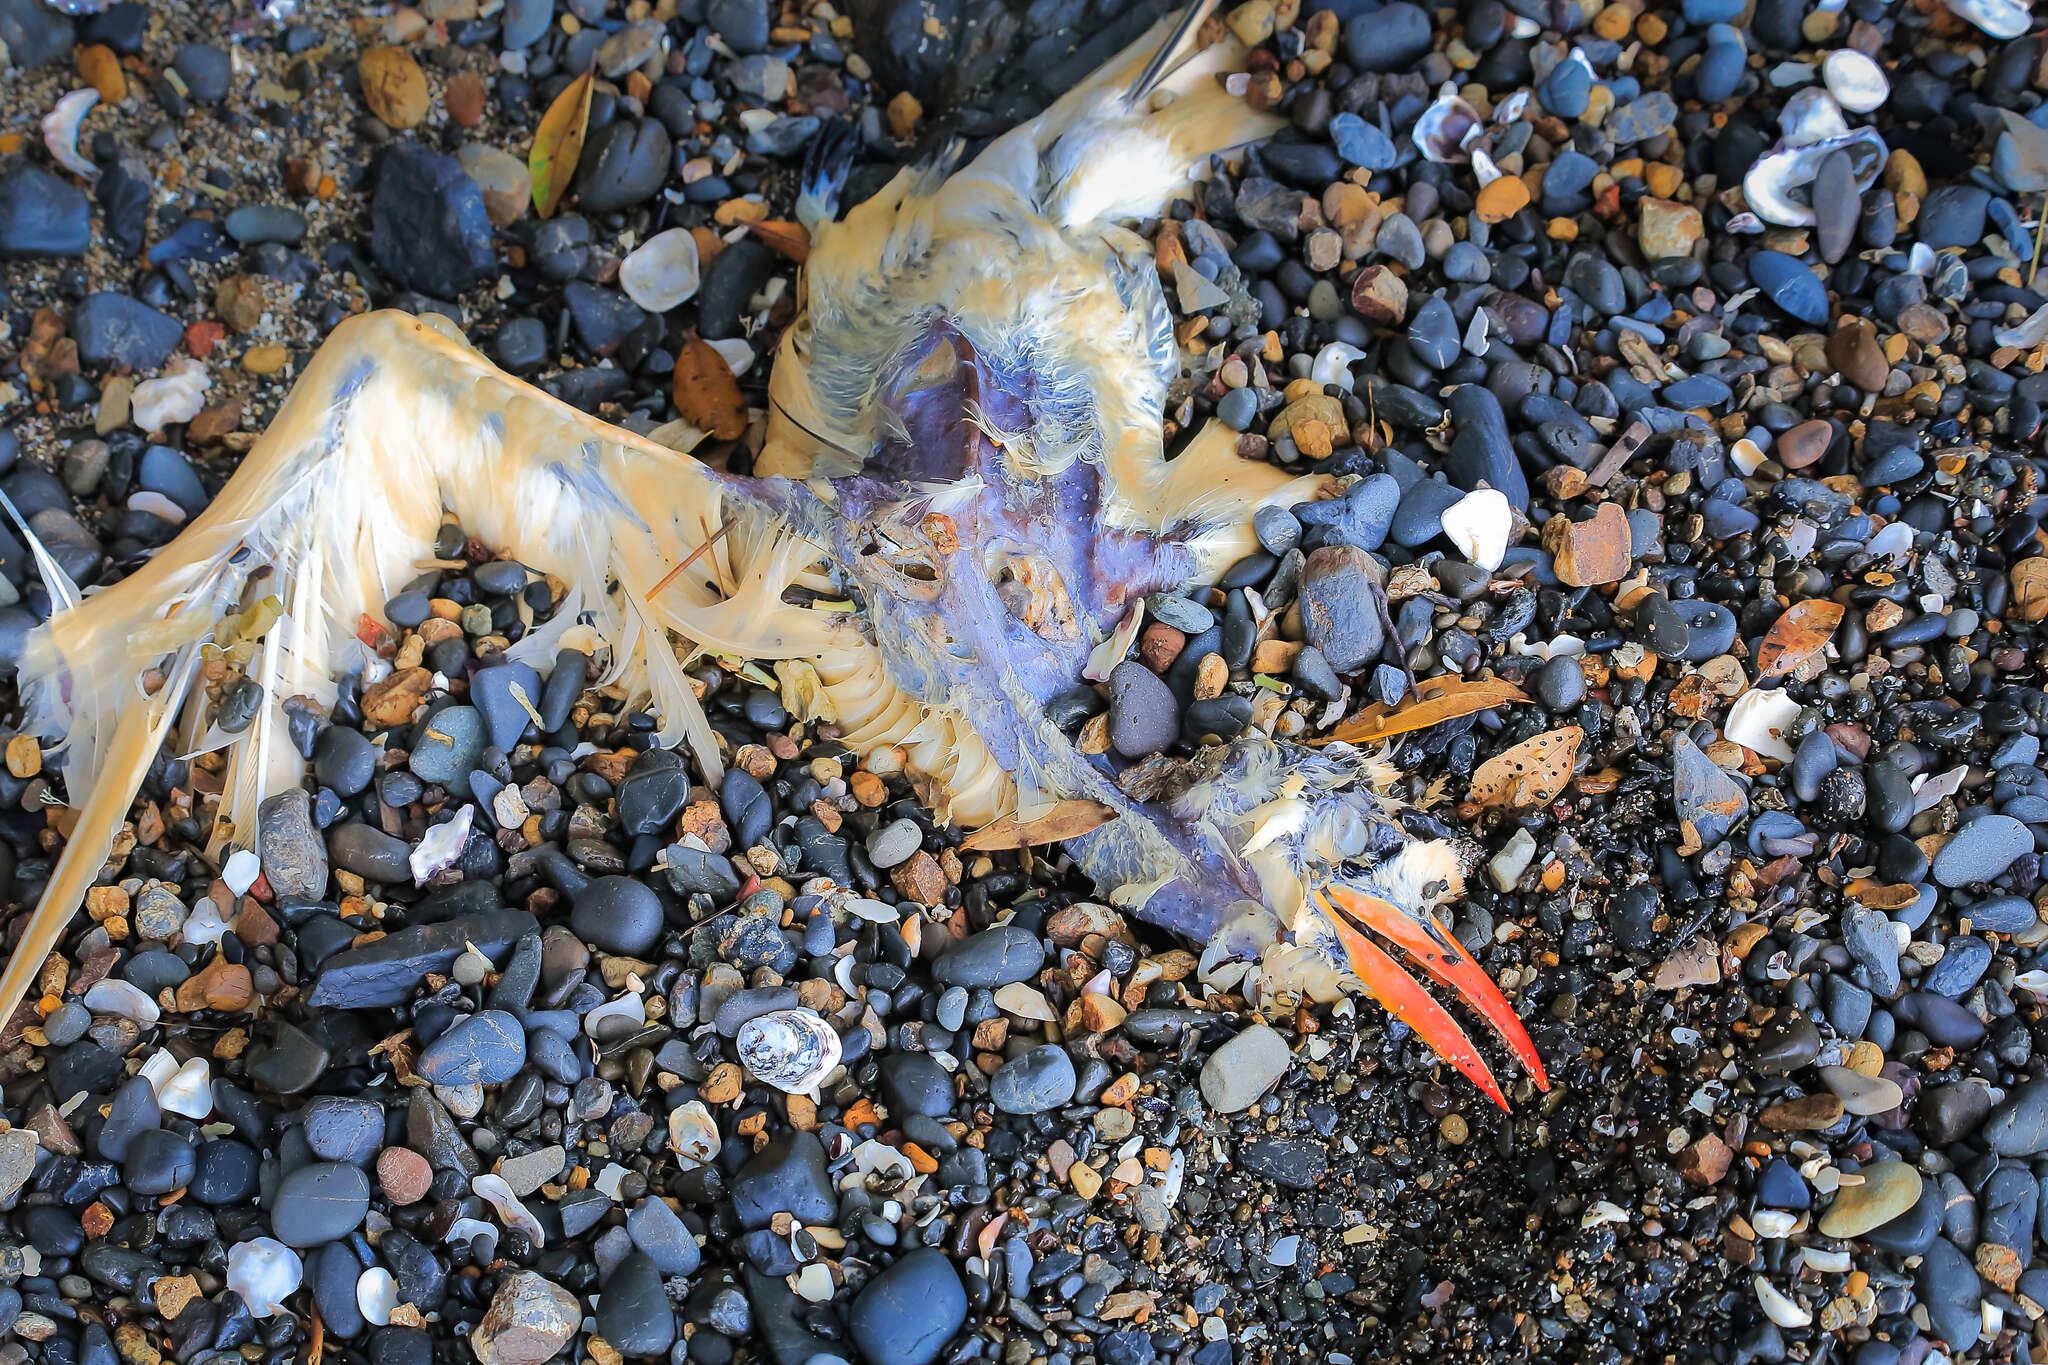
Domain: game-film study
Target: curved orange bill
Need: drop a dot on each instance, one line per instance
(1445, 959)
(1402, 996)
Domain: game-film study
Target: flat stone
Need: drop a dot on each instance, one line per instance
(320, 1202)
(1889, 1188)
(387, 971)
(1244, 1068)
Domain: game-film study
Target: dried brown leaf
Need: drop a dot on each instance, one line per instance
(790, 240)
(1529, 774)
(559, 143)
(1437, 700)
(1802, 632)
(1066, 820)
(706, 393)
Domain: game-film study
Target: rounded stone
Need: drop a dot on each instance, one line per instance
(320, 1202)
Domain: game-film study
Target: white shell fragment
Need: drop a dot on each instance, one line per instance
(187, 1090)
(1479, 524)
(1857, 83)
(204, 925)
(60, 131)
(241, 871)
(792, 1050)
(175, 396)
(493, 1190)
(441, 846)
(1444, 128)
(662, 272)
(1777, 1307)
(377, 1295)
(265, 1272)
(692, 1133)
(122, 998)
(1761, 719)
(1779, 187)
(1999, 18)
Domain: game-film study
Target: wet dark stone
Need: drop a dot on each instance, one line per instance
(428, 228)
(907, 1314)
(40, 214)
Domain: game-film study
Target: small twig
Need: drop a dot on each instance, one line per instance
(2040, 229)
(677, 572)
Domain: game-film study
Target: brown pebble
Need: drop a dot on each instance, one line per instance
(393, 86)
(1587, 553)
(1803, 444)
(404, 1175)
(1160, 645)
(1854, 352)
(1705, 1161)
(465, 98)
(1808, 1113)
(1379, 295)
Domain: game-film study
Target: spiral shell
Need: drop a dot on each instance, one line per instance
(792, 1050)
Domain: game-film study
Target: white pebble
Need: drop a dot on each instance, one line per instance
(814, 1283)
(175, 396)
(663, 272)
(204, 925)
(376, 1295)
(693, 1133)
(608, 1180)
(1774, 1223)
(463, 1101)
(1760, 720)
(1334, 362)
(122, 998)
(1478, 524)
(265, 1272)
(1857, 83)
(738, 356)
(1826, 1262)
(241, 871)
(1777, 1307)
(187, 1091)
(1507, 866)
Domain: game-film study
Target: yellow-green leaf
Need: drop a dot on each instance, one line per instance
(559, 143)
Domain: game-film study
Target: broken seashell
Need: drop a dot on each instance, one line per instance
(792, 1050)
(1779, 187)
(60, 131)
(493, 1190)
(1999, 18)
(441, 846)
(265, 1272)
(1445, 127)
(693, 1133)
(465, 1231)
(662, 272)
(187, 1091)
(1811, 116)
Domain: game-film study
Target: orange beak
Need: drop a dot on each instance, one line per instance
(1443, 959)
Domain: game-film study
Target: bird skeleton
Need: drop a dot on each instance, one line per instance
(962, 500)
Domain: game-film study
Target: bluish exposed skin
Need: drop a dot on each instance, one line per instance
(941, 618)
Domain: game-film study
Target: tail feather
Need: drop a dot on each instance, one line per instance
(395, 422)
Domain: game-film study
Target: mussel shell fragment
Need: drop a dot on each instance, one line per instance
(1445, 127)
(1779, 186)
(792, 1050)
(1999, 18)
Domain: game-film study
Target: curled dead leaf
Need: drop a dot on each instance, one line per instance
(1437, 700)
(705, 392)
(559, 143)
(790, 240)
(1066, 820)
(1529, 774)
(1800, 634)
